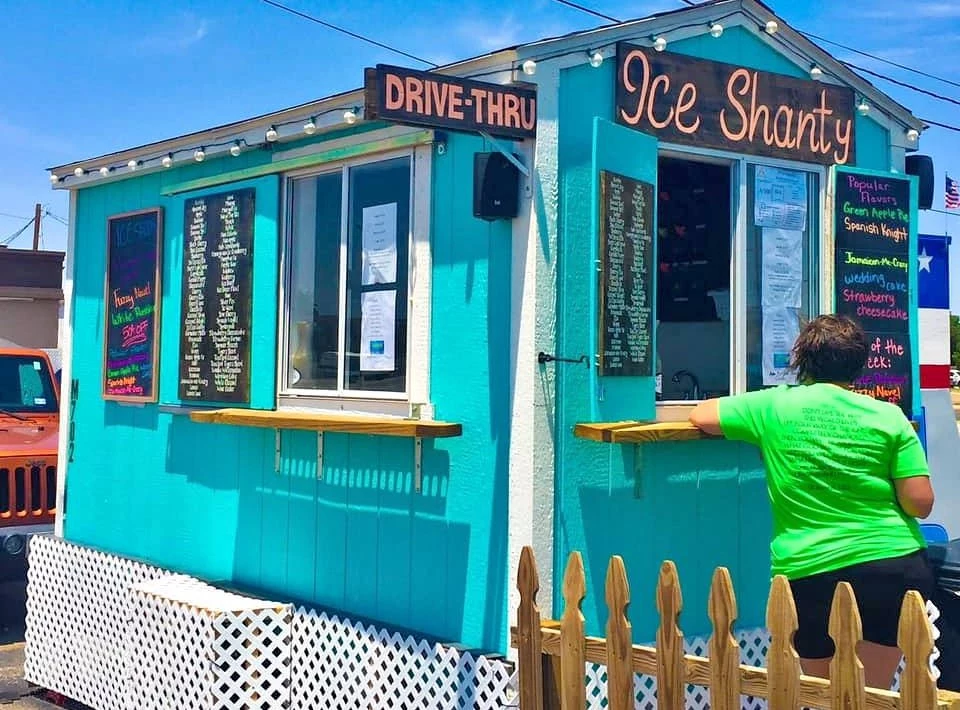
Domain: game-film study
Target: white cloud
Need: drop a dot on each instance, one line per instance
(184, 32)
(489, 35)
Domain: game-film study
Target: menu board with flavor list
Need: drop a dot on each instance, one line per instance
(216, 297)
(132, 312)
(625, 288)
(872, 237)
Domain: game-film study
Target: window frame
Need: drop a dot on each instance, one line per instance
(414, 399)
(740, 222)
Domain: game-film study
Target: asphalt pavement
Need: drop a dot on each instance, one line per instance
(15, 693)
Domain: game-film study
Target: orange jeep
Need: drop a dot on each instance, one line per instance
(29, 429)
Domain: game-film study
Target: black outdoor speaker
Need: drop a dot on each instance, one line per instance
(496, 187)
(922, 167)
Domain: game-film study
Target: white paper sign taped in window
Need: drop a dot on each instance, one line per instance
(780, 329)
(780, 198)
(378, 318)
(379, 242)
(782, 267)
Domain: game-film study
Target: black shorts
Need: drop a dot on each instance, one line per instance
(879, 587)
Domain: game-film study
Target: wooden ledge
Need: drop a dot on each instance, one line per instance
(639, 432)
(329, 421)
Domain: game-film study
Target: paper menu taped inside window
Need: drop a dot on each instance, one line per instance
(379, 244)
(780, 329)
(378, 317)
(780, 198)
(782, 267)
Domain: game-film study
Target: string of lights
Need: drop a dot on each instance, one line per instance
(235, 147)
(350, 114)
(771, 28)
(920, 72)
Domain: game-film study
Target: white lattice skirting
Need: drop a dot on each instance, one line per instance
(115, 634)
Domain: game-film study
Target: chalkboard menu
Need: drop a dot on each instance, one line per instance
(626, 262)
(216, 297)
(872, 231)
(132, 313)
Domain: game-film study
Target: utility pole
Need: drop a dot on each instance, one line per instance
(36, 226)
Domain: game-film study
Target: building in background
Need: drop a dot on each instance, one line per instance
(31, 297)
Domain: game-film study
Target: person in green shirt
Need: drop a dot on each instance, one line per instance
(847, 477)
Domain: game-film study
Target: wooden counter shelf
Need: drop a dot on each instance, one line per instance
(325, 422)
(330, 422)
(639, 432)
(645, 432)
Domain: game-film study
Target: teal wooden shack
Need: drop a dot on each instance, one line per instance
(361, 389)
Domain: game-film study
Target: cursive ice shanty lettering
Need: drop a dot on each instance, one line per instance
(745, 107)
(785, 127)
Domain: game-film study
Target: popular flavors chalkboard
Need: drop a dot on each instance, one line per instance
(625, 285)
(132, 300)
(873, 279)
(216, 297)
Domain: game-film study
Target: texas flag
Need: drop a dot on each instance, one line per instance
(933, 294)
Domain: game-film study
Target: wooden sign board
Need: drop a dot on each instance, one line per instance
(216, 297)
(626, 276)
(132, 296)
(427, 99)
(680, 99)
(872, 277)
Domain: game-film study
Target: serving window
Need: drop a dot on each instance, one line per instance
(347, 282)
(737, 250)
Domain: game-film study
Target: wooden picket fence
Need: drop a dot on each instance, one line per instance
(552, 655)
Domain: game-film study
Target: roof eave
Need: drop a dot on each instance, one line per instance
(263, 122)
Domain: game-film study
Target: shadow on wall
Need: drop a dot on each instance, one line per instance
(700, 504)
(358, 540)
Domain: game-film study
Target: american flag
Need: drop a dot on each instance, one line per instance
(952, 199)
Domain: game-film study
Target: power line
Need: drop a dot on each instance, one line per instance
(941, 125)
(933, 94)
(587, 10)
(13, 216)
(355, 35)
(810, 35)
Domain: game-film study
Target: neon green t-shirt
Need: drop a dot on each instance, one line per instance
(831, 458)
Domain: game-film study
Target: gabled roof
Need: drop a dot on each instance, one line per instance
(683, 22)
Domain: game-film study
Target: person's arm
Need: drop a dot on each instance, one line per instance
(911, 475)
(706, 417)
(739, 417)
(915, 495)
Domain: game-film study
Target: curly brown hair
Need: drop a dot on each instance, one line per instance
(830, 348)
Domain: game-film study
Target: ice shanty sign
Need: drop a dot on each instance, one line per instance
(680, 99)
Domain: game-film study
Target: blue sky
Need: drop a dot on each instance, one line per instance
(88, 77)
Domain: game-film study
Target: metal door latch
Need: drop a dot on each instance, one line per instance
(544, 358)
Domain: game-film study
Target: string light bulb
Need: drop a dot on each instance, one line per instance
(771, 27)
(54, 179)
(716, 29)
(167, 161)
(659, 44)
(816, 73)
(310, 127)
(529, 67)
(596, 58)
(104, 171)
(199, 155)
(78, 172)
(132, 164)
(235, 149)
(912, 135)
(863, 108)
(350, 116)
(271, 135)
